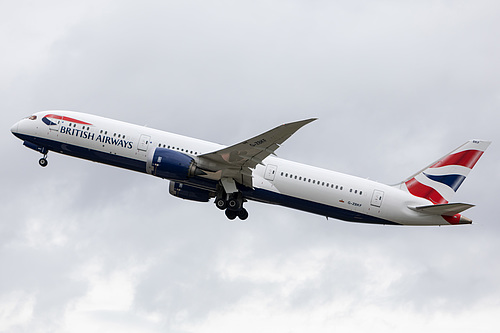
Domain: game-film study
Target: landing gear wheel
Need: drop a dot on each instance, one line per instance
(231, 214)
(221, 203)
(243, 214)
(43, 162)
(234, 204)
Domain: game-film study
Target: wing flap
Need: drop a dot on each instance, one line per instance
(251, 152)
(237, 161)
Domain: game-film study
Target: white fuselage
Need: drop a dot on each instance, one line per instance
(276, 180)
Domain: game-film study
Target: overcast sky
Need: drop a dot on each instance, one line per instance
(90, 248)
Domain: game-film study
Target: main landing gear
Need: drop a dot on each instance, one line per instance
(232, 214)
(232, 204)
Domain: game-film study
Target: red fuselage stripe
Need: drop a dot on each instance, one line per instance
(55, 116)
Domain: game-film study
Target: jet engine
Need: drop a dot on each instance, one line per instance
(189, 192)
(173, 165)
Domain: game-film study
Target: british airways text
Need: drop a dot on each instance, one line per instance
(99, 138)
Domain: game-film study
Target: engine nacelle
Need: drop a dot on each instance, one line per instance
(189, 192)
(171, 164)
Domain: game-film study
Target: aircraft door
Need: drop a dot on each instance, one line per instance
(270, 172)
(144, 141)
(377, 198)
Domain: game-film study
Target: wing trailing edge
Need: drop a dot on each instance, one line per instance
(238, 161)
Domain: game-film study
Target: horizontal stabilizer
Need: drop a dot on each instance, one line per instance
(449, 209)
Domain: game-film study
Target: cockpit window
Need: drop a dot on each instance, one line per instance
(32, 118)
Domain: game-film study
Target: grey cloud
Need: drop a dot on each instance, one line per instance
(395, 87)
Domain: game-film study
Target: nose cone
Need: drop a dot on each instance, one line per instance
(13, 129)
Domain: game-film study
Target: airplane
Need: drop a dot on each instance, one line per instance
(250, 170)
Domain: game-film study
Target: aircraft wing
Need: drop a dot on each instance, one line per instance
(236, 161)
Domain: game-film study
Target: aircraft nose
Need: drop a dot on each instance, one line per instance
(13, 129)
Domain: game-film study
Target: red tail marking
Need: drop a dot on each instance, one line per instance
(423, 191)
(466, 158)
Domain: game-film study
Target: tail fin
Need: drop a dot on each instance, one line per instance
(440, 180)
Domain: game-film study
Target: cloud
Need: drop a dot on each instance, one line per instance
(85, 246)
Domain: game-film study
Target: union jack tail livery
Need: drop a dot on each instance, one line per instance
(440, 180)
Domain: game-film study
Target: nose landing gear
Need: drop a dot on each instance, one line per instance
(43, 161)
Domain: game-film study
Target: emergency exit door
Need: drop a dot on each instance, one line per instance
(377, 198)
(144, 141)
(270, 172)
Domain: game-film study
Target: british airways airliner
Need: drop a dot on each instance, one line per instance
(231, 175)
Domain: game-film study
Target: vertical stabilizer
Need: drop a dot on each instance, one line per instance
(440, 180)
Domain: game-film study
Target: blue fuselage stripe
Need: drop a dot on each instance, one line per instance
(86, 153)
(255, 194)
(310, 206)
